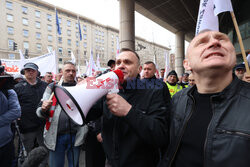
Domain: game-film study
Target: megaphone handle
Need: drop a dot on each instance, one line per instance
(59, 83)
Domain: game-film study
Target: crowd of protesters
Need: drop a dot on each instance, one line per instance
(197, 119)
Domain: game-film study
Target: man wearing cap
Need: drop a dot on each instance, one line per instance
(29, 94)
(184, 81)
(172, 84)
(240, 70)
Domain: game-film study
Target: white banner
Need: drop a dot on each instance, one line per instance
(222, 6)
(167, 64)
(46, 63)
(206, 18)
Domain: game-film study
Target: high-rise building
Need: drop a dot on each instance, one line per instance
(31, 26)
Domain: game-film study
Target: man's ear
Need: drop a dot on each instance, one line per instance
(139, 69)
(187, 65)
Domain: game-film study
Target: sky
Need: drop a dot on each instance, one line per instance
(106, 12)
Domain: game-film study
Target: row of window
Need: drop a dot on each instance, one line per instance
(9, 5)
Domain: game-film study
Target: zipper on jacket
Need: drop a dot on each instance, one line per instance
(233, 133)
(204, 147)
(189, 116)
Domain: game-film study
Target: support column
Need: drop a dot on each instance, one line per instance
(179, 52)
(127, 24)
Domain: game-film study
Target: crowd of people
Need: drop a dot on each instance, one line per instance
(197, 119)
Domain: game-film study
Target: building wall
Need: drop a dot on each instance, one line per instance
(100, 38)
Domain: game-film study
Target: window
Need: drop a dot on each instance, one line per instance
(69, 52)
(10, 43)
(77, 43)
(49, 17)
(96, 39)
(60, 50)
(60, 60)
(49, 27)
(25, 21)
(76, 25)
(112, 36)
(9, 5)
(38, 24)
(38, 14)
(99, 32)
(60, 39)
(24, 10)
(77, 34)
(9, 17)
(102, 40)
(39, 47)
(85, 44)
(10, 30)
(11, 56)
(38, 35)
(96, 32)
(84, 36)
(68, 23)
(25, 33)
(85, 53)
(26, 45)
(60, 20)
(84, 28)
(69, 32)
(112, 43)
(112, 50)
(49, 38)
(69, 41)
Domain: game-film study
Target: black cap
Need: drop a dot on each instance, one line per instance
(29, 65)
(242, 66)
(110, 62)
(172, 73)
(185, 74)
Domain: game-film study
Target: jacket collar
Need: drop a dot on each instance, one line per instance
(228, 92)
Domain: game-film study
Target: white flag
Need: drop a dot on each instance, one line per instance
(167, 64)
(91, 65)
(222, 6)
(98, 62)
(206, 18)
(73, 58)
(156, 66)
(22, 59)
(117, 46)
(248, 59)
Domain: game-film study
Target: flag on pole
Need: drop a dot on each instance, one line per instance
(156, 66)
(206, 18)
(73, 58)
(80, 32)
(117, 46)
(222, 6)
(167, 64)
(22, 59)
(98, 64)
(91, 65)
(87, 64)
(58, 24)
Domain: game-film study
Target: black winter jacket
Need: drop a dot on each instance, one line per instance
(134, 140)
(228, 134)
(29, 97)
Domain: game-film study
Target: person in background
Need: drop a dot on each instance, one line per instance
(184, 81)
(111, 64)
(172, 83)
(149, 70)
(29, 93)
(59, 75)
(162, 74)
(10, 110)
(210, 122)
(18, 78)
(191, 80)
(48, 77)
(239, 70)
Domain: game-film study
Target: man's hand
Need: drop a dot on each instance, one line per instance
(46, 105)
(246, 77)
(99, 137)
(118, 105)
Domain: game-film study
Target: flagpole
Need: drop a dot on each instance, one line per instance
(79, 41)
(240, 42)
(56, 47)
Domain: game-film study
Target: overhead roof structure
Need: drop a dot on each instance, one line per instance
(181, 15)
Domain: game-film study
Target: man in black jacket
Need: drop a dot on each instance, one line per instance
(210, 122)
(30, 92)
(134, 122)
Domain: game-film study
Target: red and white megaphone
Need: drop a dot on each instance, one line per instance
(76, 101)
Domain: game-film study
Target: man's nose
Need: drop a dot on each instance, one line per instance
(214, 43)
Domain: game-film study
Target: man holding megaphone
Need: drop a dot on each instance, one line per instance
(134, 124)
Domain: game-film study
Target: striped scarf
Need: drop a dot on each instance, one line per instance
(51, 113)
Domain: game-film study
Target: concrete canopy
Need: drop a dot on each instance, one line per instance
(181, 15)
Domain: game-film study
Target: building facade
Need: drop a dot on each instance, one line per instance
(31, 25)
